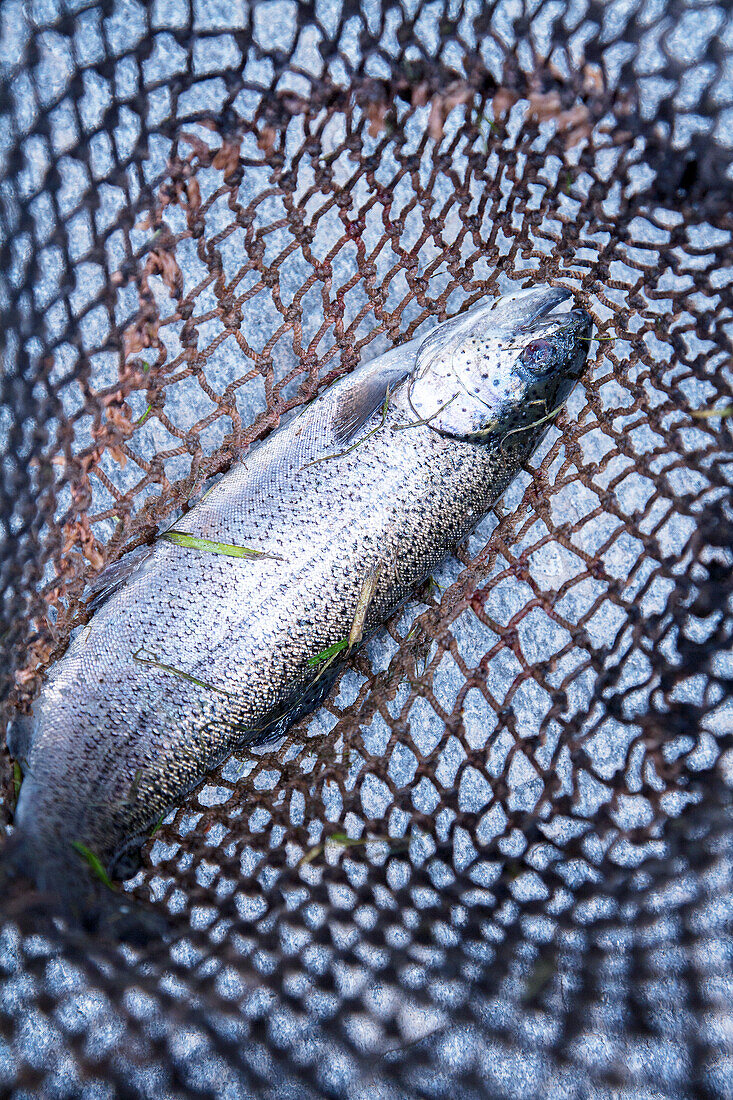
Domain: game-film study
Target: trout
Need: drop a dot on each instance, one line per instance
(236, 621)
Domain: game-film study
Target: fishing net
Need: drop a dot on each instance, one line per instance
(497, 861)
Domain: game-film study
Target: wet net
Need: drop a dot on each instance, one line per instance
(497, 861)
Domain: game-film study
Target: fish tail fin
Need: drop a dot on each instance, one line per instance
(62, 885)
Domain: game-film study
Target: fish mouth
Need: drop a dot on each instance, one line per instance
(580, 321)
(519, 312)
(575, 321)
(552, 312)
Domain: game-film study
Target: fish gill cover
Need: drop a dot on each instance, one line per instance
(497, 861)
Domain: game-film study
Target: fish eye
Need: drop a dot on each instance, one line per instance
(538, 356)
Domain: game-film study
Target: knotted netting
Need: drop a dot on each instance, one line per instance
(497, 861)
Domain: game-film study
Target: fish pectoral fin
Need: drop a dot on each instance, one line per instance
(322, 431)
(114, 576)
(358, 403)
(18, 738)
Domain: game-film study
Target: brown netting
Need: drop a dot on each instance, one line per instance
(497, 862)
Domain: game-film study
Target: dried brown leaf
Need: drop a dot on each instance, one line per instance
(266, 140)
(503, 101)
(227, 158)
(139, 335)
(25, 676)
(169, 271)
(133, 340)
(193, 195)
(376, 112)
(593, 82)
(93, 554)
(455, 95)
(118, 455)
(580, 133)
(546, 106)
(420, 94)
(119, 418)
(199, 147)
(79, 533)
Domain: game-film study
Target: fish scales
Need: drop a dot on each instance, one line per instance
(194, 654)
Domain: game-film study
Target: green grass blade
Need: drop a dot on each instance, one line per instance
(359, 442)
(17, 780)
(327, 654)
(192, 542)
(94, 863)
(719, 412)
(153, 662)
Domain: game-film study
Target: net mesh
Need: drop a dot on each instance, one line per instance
(497, 861)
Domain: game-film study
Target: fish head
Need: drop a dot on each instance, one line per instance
(501, 371)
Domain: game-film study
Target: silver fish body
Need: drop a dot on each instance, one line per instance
(351, 505)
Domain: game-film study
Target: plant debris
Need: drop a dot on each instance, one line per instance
(576, 121)
(455, 95)
(427, 419)
(711, 414)
(345, 841)
(328, 654)
(366, 595)
(528, 427)
(193, 542)
(153, 662)
(94, 863)
(17, 781)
